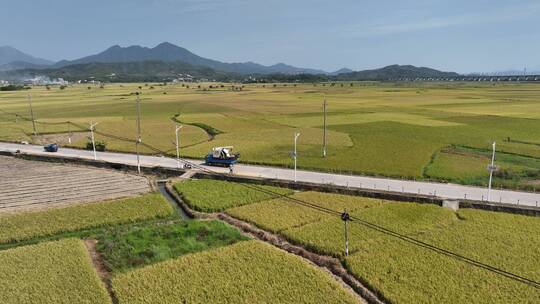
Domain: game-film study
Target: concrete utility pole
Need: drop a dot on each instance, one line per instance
(178, 127)
(92, 126)
(491, 168)
(324, 131)
(32, 114)
(345, 217)
(138, 134)
(69, 132)
(294, 153)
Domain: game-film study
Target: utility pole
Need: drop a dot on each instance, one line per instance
(178, 127)
(32, 114)
(491, 168)
(345, 217)
(324, 131)
(294, 153)
(138, 133)
(92, 126)
(69, 132)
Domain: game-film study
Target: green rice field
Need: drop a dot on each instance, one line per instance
(436, 131)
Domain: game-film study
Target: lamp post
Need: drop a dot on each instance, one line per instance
(324, 130)
(295, 155)
(178, 127)
(491, 168)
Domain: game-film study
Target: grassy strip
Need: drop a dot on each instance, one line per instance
(54, 272)
(124, 249)
(23, 226)
(215, 195)
(246, 272)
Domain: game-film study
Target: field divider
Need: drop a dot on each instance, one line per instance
(326, 263)
(99, 265)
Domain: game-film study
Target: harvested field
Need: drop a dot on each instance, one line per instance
(32, 185)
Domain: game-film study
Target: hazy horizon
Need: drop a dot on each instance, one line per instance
(461, 36)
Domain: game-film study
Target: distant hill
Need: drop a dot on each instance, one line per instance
(342, 71)
(19, 65)
(9, 54)
(394, 72)
(168, 52)
(145, 71)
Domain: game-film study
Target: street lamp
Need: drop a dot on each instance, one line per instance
(92, 126)
(178, 127)
(324, 130)
(296, 134)
(491, 168)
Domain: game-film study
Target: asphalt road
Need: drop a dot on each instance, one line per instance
(449, 191)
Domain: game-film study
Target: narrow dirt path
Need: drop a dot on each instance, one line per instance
(99, 265)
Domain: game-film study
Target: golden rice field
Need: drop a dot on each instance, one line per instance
(407, 130)
(53, 272)
(245, 272)
(401, 271)
(27, 225)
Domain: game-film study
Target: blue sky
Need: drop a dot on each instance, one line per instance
(458, 35)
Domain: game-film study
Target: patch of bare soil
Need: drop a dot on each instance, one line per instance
(60, 138)
(97, 260)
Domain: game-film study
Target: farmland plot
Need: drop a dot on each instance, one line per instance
(32, 185)
(27, 225)
(215, 195)
(404, 272)
(390, 129)
(246, 272)
(50, 273)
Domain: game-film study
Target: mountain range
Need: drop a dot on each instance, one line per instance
(11, 58)
(167, 61)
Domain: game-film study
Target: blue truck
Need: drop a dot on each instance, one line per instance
(51, 148)
(222, 156)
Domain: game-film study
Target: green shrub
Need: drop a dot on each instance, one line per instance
(100, 145)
